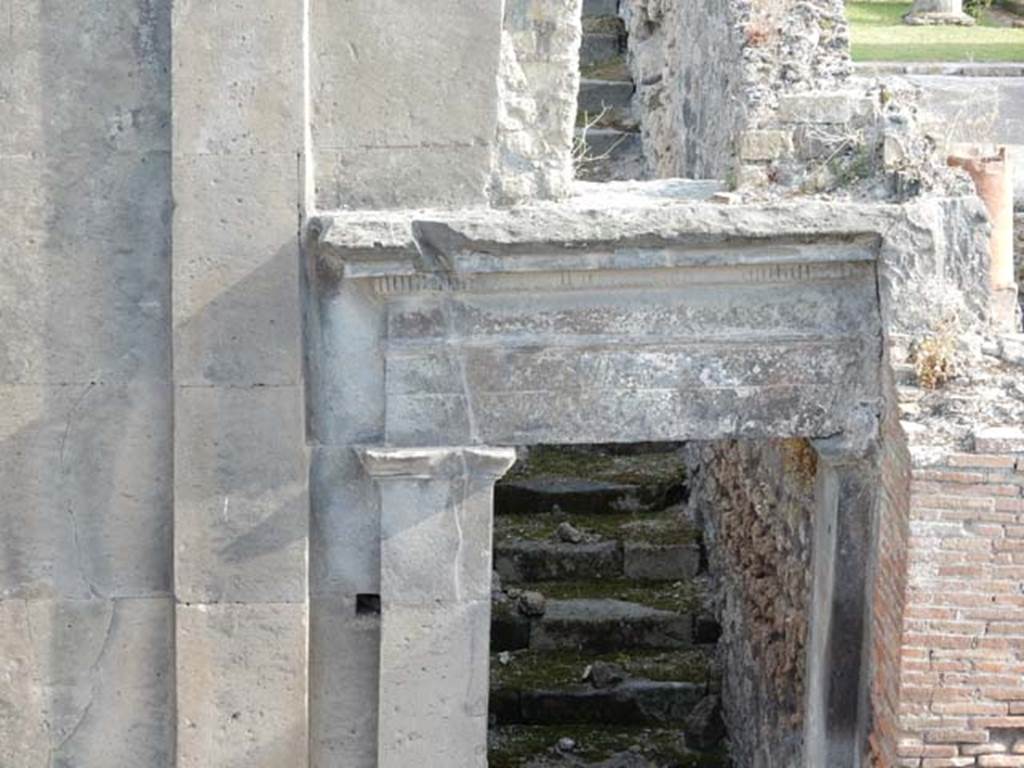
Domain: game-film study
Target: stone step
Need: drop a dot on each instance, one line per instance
(593, 9)
(575, 496)
(582, 746)
(612, 155)
(519, 562)
(632, 702)
(596, 95)
(601, 47)
(532, 561)
(601, 625)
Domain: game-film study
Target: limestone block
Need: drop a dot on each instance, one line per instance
(344, 540)
(434, 663)
(86, 682)
(86, 473)
(241, 681)
(765, 145)
(999, 440)
(402, 177)
(825, 108)
(346, 385)
(380, 80)
(83, 77)
(83, 268)
(237, 73)
(241, 509)
(344, 664)
(237, 315)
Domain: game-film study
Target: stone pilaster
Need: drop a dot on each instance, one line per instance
(838, 663)
(436, 522)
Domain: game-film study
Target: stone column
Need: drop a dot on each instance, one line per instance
(837, 712)
(436, 522)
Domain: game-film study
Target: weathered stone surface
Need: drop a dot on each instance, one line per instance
(241, 511)
(85, 471)
(237, 78)
(87, 682)
(236, 270)
(824, 108)
(660, 562)
(344, 659)
(638, 702)
(545, 561)
(423, 133)
(510, 630)
(241, 676)
(580, 496)
(765, 145)
(84, 265)
(433, 680)
(601, 626)
(999, 440)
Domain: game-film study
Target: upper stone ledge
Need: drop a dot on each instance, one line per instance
(626, 225)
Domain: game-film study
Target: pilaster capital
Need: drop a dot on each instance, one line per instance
(384, 463)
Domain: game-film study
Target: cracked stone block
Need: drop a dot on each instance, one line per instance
(86, 682)
(86, 473)
(765, 145)
(241, 678)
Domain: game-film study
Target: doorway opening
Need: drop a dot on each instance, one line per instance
(603, 650)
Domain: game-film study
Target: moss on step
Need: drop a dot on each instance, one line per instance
(638, 469)
(678, 596)
(610, 69)
(518, 746)
(666, 527)
(604, 24)
(558, 669)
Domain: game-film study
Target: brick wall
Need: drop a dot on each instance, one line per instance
(890, 590)
(962, 670)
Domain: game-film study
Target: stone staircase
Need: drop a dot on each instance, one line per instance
(602, 655)
(607, 131)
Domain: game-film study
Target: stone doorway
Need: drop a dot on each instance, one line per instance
(445, 339)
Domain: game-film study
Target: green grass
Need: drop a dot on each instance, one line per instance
(879, 34)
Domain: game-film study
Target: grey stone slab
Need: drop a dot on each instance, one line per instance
(549, 560)
(636, 702)
(84, 278)
(344, 534)
(84, 77)
(597, 8)
(241, 685)
(86, 477)
(446, 369)
(87, 682)
(402, 177)
(434, 663)
(660, 562)
(344, 665)
(372, 88)
(237, 78)
(237, 314)
(241, 507)
(605, 626)
(599, 47)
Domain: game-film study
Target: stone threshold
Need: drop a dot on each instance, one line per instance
(947, 68)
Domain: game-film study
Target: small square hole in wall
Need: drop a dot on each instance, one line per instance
(367, 605)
